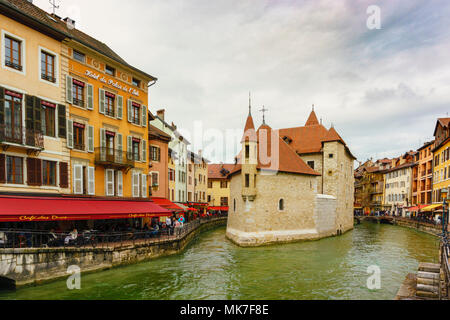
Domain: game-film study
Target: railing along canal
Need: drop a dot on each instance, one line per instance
(21, 239)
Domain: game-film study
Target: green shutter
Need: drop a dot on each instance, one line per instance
(144, 116)
(69, 88)
(90, 146)
(90, 97)
(119, 112)
(101, 101)
(69, 134)
(2, 105)
(129, 111)
(62, 121)
(29, 112)
(37, 115)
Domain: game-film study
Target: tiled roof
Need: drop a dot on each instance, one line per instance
(30, 10)
(312, 120)
(249, 130)
(402, 166)
(219, 171)
(155, 133)
(309, 139)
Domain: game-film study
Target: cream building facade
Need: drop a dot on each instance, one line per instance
(281, 195)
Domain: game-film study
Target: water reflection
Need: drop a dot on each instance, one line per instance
(214, 268)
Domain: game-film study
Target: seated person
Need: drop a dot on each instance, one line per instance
(71, 237)
(3, 238)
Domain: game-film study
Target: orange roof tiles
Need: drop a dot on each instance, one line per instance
(219, 171)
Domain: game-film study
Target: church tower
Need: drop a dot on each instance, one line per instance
(249, 158)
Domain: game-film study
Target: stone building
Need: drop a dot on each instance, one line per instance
(290, 185)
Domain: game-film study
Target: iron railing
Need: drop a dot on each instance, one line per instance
(17, 239)
(109, 156)
(22, 136)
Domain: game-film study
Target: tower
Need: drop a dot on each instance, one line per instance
(249, 158)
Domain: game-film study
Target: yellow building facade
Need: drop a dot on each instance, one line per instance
(107, 127)
(218, 192)
(441, 158)
(33, 155)
(171, 169)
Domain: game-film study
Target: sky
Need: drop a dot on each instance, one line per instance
(381, 88)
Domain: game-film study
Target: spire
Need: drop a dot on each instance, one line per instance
(249, 104)
(312, 120)
(249, 130)
(264, 110)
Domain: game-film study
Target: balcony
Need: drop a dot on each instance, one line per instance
(112, 158)
(21, 137)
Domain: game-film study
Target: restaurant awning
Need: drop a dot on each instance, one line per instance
(432, 207)
(27, 209)
(218, 208)
(417, 208)
(169, 205)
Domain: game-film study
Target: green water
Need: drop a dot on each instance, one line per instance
(213, 268)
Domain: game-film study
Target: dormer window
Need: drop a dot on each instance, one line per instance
(136, 82)
(110, 70)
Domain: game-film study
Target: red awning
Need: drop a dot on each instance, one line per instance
(417, 208)
(71, 209)
(218, 208)
(167, 204)
(192, 209)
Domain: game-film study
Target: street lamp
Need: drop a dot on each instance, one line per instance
(444, 194)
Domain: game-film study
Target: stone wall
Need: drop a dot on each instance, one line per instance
(339, 182)
(423, 227)
(19, 267)
(261, 222)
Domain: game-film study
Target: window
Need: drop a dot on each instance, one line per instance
(110, 70)
(48, 173)
(210, 184)
(247, 151)
(14, 170)
(209, 198)
(48, 67)
(330, 155)
(79, 56)
(155, 179)
(311, 164)
(136, 150)
(78, 136)
(135, 116)
(155, 153)
(109, 104)
(78, 93)
(223, 184)
(136, 82)
(13, 53)
(48, 125)
(247, 180)
(281, 205)
(224, 201)
(234, 205)
(13, 117)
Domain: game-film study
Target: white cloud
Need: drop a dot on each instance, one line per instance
(382, 89)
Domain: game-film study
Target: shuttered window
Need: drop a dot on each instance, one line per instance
(109, 182)
(78, 179)
(63, 175)
(34, 172)
(143, 185)
(119, 184)
(155, 153)
(62, 121)
(135, 184)
(14, 170)
(91, 181)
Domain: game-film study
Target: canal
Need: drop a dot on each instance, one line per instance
(213, 268)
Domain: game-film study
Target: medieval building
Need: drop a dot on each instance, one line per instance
(290, 184)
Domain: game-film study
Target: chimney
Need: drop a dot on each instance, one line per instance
(160, 113)
(69, 22)
(200, 153)
(174, 126)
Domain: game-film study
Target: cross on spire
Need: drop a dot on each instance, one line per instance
(54, 5)
(249, 104)
(264, 110)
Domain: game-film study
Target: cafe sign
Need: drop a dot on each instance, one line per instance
(112, 83)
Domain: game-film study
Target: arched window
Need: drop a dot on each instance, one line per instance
(281, 205)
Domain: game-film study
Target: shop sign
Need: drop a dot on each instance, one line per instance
(111, 82)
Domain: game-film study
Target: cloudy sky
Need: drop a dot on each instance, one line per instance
(382, 88)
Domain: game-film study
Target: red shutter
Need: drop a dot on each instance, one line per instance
(2, 169)
(31, 171)
(34, 172)
(38, 172)
(63, 175)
